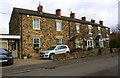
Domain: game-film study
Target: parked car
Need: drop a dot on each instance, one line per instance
(5, 57)
(55, 49)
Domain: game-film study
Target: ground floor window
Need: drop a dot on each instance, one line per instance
(3, 45)
(59, 41)
(101, 43)
(36, 42)
(89, 44)
(85, 43)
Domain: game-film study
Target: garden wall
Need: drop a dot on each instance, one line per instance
(81, 54)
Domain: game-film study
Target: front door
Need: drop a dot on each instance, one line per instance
(14, 49)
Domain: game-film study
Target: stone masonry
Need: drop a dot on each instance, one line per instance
(21, 23)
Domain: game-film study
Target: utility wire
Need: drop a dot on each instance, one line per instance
(4, 13)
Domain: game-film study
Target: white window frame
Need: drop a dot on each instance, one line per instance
(58, 27)
(89, 44)
(59, 42)
(3, 41)
(77, 27)
(101, 43)
(36, 43)
(37, 23)
(99, 29)
(89, 29)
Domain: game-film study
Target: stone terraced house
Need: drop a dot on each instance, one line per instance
(40, 29)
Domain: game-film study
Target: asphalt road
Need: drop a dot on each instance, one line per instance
(100, 67)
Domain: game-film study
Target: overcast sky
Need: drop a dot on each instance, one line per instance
(106, 10)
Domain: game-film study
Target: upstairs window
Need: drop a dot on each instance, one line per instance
(58, 26)
(59, 41)
(36, 23)
(89, 29)
(78, 28)
(36, 42)
(99, 30)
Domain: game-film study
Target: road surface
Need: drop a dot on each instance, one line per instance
(100, 67)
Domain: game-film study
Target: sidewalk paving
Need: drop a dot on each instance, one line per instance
(36, 64)
(23, 62)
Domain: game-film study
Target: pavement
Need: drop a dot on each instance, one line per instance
(27, 65)
(24, 62)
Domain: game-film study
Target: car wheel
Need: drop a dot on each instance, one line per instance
(12, 62)
(67, 52)
(52, 56)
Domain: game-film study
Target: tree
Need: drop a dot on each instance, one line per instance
(116, 29)
(114, 43)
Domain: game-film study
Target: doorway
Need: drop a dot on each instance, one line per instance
(14, 49)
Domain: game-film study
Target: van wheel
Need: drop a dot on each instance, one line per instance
(52, 56)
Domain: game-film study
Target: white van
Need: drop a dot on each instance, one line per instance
(55, 49)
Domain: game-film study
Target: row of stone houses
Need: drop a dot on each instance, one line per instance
(41, 29)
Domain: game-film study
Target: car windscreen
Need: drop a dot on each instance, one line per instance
(2, 51)
(51, 48)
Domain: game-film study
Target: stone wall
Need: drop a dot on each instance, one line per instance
(14, 25)
(47, 34)
(23, 26)
(81, 54)
(115, 50)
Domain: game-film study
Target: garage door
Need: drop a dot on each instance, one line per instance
(3, 45)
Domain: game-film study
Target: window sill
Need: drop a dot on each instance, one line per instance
(89, 33)
(59, 30)
(99, 34)
(36, 29)
(107, 35)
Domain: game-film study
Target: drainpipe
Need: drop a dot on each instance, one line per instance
(69, 29)
(21, 52)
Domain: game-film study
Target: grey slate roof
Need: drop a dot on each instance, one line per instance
(54, 16)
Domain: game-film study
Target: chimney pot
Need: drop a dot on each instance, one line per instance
(83, 18)
(40, 8)
(93, 21)
(101, 22)
(58, 12)
(72, 15)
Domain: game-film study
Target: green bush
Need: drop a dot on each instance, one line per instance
(115, 43)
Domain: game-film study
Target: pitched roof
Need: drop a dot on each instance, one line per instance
(54, 16)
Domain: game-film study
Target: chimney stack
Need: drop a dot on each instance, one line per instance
(72, 15)
(40, 8)
(101, 22)
(58, 12)
(83, 18)
(93, 21)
